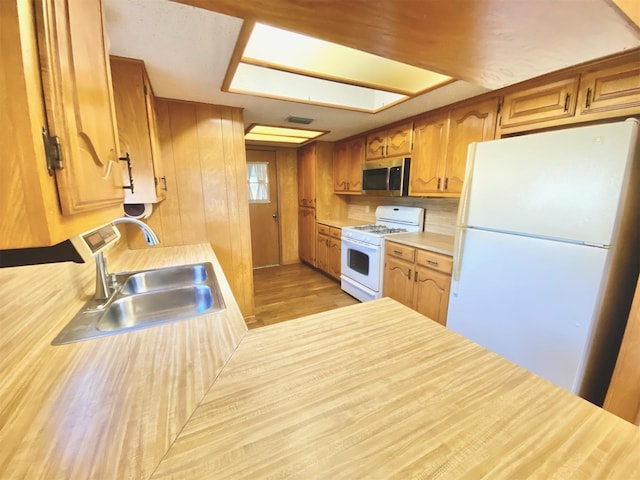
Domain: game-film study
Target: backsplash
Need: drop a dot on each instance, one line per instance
(440, 212)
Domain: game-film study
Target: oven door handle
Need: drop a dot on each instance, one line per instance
(358, 242)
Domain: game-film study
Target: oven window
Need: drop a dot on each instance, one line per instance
(358, 261)
(374, 179)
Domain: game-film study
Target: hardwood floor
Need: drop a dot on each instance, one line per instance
(291, 291)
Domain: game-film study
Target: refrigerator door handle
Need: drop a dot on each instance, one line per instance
(458, 249)
(461, 221)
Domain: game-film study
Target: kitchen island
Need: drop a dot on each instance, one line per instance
(373, 390)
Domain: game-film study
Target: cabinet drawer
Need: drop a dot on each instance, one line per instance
(437, 261)
(336, 232)
(324, 229)
(400, 251)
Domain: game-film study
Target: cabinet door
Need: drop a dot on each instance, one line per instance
(307, 176)
(77, 89)
(428, 159)
(335, 250)
(399, 140)
(136, 128)
(432, 293)
(160, 181)
(322, 252)
(398, 280)
(355, 154)
(340, 166)
(471, 123)
(307, 235)
(550, 101)
(376, 145)
(614, 88)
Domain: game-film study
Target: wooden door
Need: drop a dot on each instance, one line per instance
(398, 280)
(334, 260)
(399, 140)
(322, 252)
(376, 145)
(614, 88)
(470, 123)
(340, 166)
(429, 155)
(263, 207)
(307, 176)
(355, 153)
(549, 101)
(432, 293)
(76, 82)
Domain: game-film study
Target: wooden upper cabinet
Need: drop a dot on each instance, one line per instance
(35, 204)
(307, 176)
(76, 84)
(549, 101)
(137, 130)
(475, 122)
(616, 88)
(429, 155)
(392, 142)
(348, 158)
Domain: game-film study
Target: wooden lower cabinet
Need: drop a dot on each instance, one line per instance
(328, 250)
(419, 279)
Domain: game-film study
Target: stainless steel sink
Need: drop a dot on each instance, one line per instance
(163, 278)
(145, 299)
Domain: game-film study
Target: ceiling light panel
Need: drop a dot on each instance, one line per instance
(269, 46)
(271, 133)
(252, 79)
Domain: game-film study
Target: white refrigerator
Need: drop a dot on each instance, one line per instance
(547, 251)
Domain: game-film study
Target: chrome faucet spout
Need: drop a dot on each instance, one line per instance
(151, 237)
(104, 288)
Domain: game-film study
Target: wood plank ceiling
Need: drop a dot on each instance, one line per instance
(492, 43)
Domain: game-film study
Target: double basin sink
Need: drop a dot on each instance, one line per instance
(147, 298)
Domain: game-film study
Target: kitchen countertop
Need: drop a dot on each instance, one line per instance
(104, 408)
(373, 390)
(342, 222)
(376, 390)
(435, 242)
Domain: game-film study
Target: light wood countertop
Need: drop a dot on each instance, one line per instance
(435, 242)
(105, 408)
(342, 222)
(378, 391)
(374, 390)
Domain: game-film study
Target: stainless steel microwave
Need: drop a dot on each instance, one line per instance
(388, 177)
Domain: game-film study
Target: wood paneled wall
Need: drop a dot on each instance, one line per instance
(204, 160)
(440, 216)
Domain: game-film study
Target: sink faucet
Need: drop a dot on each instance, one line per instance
(103, 290)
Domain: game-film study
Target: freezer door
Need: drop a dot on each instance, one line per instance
(565, 184)
(529, 300)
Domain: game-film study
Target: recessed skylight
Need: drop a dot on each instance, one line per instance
(270, 133)
(289, 66)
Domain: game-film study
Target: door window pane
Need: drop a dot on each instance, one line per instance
(258, 182)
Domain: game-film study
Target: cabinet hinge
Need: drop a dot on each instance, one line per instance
(52, 151)
(500, 105)
(144, 89)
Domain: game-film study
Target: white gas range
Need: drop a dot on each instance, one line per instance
(363, 248)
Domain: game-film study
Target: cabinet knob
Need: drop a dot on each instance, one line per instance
(274, 215)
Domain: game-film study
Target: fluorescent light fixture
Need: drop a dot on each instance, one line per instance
(271, 133)
(289, 66)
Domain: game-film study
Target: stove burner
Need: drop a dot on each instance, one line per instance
(379, 229)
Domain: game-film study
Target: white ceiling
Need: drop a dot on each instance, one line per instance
(187, 51)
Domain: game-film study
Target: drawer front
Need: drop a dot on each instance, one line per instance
(324, 229)
(400, 251)
(336, 232)
(437, 261)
